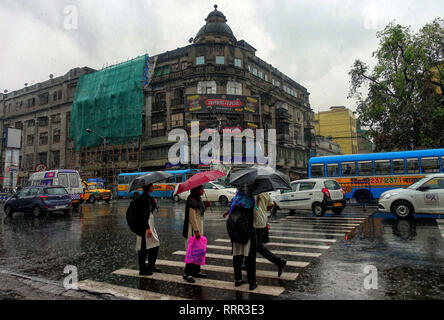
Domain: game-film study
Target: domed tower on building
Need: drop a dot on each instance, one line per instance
(216, 29)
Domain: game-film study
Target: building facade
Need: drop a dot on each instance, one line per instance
(214, 64)
(42, 112)
(326, 147)
(339, 123)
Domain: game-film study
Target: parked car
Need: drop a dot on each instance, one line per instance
(424, 196)
(213, 191)
(39, 200)
(95, 191)
(318, 195)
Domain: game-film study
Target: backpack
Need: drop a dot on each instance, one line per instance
(135, 220)
(237, 226)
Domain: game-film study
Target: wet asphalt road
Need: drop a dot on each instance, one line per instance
(408, 254)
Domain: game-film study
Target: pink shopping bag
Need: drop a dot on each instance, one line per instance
(196, 251)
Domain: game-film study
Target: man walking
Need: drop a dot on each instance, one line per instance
(264, 204)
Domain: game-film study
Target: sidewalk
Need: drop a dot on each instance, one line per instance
(21, 287)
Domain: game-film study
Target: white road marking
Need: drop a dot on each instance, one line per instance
(313, 228)
(259, 273)
(288, 253)
(326, 218)
(298, 264)
(124, 292)
(261, 289)
(302, 232)
(282, 244)
(303, 239)
(293, 222)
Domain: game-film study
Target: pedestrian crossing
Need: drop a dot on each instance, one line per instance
(302, 241)
(441, 227)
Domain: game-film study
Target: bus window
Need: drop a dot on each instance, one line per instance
(332, 170)
(317, 170)
(348, 169)
(382, 167)
(365, 168)
(398, 166)
(442, 164)
(412, 165)
(430, 165)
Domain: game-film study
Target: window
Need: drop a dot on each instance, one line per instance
(261, 74)
(42, 121)
(305, 186)
(56, 191)
(55, 118)
(206, 87)
(332, 170)
(43, 99)
(398, 166)
(54, 96)
(74, 180)
(272, 81)
(294, 187)
(332, 185)
(238, 63)
(412, 165)
(249, 68)
(177, 120)
(175, 67)
(200, 60)
(430, 165)
(436, 183)
(31, 102)
(56, 136)
(63, 180)
(184, 65)
(278, 83)
(382, 167)
(234, 88)
(42, 157)
(30, 140)
(266, 77)
(255, 71)
(317, 170)
(59, 93)
(220, 60)
(43, 139)
(365, 168)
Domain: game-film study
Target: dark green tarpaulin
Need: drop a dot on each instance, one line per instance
(109, 102)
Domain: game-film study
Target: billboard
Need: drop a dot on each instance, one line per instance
(219, 103)
(13, 138)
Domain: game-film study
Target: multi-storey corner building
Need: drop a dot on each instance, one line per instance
(339, 123)
(42, 112)
(216, 65)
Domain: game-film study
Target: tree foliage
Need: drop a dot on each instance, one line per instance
(404, 105)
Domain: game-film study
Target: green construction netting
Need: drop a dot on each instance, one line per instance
(110, 103)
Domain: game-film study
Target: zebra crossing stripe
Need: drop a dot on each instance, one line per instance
(261, 289)
(298, 264)
(124, 292)
(310, 228)
(293, 222)
(302, 232)
(288, 253)
(303, 239)
(325, 218)
(290, 276)
(289, 245)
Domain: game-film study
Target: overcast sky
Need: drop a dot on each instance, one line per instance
(313, 42)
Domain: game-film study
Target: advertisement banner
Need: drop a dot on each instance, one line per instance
(219, 103)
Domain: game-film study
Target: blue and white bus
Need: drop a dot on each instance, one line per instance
(367, 176)
(161, 190)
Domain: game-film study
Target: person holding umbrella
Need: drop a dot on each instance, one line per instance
(148, 245)
(194, 213)
(244, 204)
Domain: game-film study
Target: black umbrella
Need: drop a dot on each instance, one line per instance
(148, 178)
(259, 179)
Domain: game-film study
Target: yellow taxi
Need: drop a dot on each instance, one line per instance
(94, 191)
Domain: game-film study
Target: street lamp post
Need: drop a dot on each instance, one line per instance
(104, 151)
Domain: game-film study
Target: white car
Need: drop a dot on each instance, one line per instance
(318, 195)
(214, 192)
(424, 196)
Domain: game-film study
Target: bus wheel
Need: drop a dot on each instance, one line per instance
(318, 209)
(135, 195)
(176, 198)
(402, 209)
(363, 196)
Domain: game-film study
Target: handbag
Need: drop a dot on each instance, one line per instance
(196, 251)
